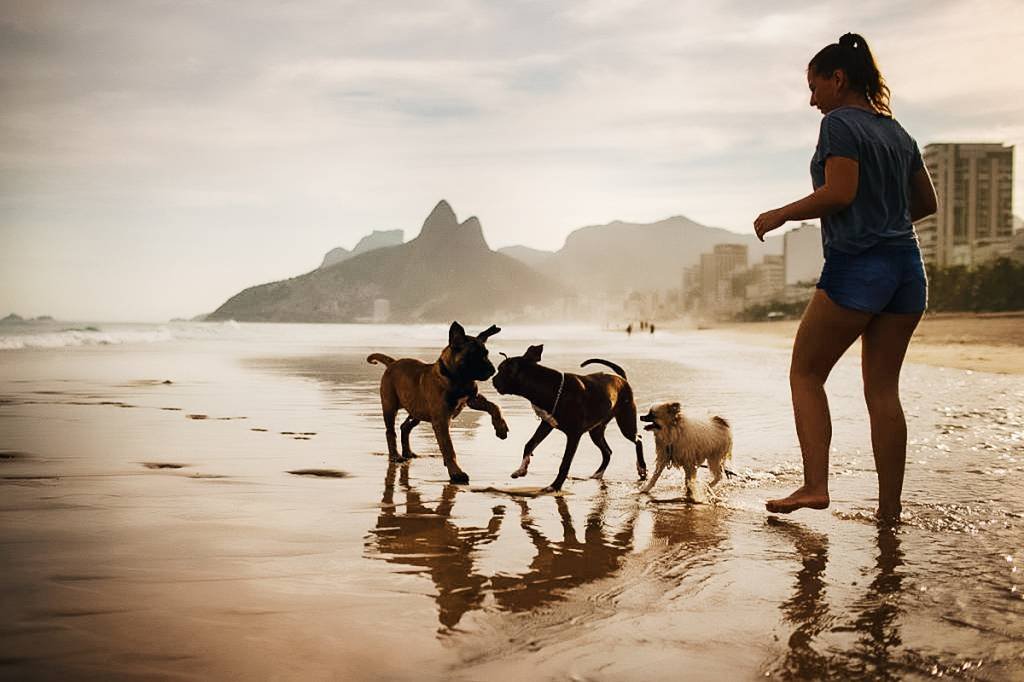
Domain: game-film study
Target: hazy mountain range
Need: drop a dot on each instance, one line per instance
(448, 271)
(620, 256)
(378, 239)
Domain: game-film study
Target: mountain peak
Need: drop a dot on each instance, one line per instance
(472, 232)
(442, 228)
(441, 218)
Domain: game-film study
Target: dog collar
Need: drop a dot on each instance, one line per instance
(558, 396)
(549, 417)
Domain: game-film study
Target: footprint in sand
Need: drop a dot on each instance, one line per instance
(320, 473)
(163, 465)
(196, 416)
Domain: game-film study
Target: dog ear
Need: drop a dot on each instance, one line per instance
(456, 334)
(533, 353)
(488, 333)
(675, 408)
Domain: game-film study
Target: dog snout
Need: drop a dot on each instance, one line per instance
(649, 417)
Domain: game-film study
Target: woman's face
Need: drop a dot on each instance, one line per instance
(826, 91)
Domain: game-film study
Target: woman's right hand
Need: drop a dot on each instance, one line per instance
(768, 221)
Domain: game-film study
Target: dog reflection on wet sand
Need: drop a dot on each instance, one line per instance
(687, 443)
(424, 534)
(426, 537)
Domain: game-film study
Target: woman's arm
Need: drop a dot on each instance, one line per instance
(922, 195)
(838, 192)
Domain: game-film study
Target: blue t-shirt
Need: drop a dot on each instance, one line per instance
(887, 156)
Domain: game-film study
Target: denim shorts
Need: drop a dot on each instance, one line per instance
(887, 278)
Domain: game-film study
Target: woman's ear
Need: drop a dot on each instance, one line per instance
(839, 79)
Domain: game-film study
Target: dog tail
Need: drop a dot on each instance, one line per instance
(720, 422)
(598, 361)
(375, 358)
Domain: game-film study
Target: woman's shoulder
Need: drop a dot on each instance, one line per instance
(865, 122)
(850, 112)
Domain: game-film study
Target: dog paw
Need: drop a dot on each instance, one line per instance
(409, 455)
(459, 478)
(548, 489)
(501, 430)
(518, 474)
(397, 459)
(641, 475)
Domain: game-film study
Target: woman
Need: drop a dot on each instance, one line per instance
(870, 185)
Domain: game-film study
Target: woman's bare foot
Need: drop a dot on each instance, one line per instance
(889, 514)
(802, 497)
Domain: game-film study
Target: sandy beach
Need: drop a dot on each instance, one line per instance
(978, 342)
(214, 502)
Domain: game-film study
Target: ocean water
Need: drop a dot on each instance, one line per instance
(207, 500)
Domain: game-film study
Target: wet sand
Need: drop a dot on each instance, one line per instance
(977, 342)
(243, 522)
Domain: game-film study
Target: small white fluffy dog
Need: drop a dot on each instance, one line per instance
(687, 443)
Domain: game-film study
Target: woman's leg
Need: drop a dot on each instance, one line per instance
(826, 331)
(885, 344)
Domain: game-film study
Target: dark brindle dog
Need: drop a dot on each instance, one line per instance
(574, 404)
(437, 392)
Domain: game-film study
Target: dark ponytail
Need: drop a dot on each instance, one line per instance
(851, 54)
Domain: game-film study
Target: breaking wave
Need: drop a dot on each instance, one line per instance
(108, 335)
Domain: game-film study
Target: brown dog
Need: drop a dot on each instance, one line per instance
(574, 404)
(437, 392)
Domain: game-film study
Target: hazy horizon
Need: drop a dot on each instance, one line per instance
(160, 157)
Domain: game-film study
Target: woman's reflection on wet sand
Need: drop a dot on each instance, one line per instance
(877, 652)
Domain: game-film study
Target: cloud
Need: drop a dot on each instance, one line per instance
(272, 132)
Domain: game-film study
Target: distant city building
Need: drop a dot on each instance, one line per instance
(717, 270)
(974, 223)
(381, 310)
(1017, 246)
(802, 254)
(766, 280)
(690, 290)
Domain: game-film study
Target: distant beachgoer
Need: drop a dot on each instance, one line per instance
(870, 185)
(629, 329)
(651, 328)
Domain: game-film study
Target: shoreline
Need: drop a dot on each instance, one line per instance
(978, 342)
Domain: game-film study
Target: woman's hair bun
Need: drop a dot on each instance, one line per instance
(853, 56)
(851, 40)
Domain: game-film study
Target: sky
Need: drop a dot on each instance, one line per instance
(156, 157)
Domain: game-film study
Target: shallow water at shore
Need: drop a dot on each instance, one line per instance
(243, 520)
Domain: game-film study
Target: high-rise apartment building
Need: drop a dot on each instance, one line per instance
(974, 185)
(766, 280)
(716, 271)
(802, 254)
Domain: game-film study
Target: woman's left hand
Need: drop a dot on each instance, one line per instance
(768, 221)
